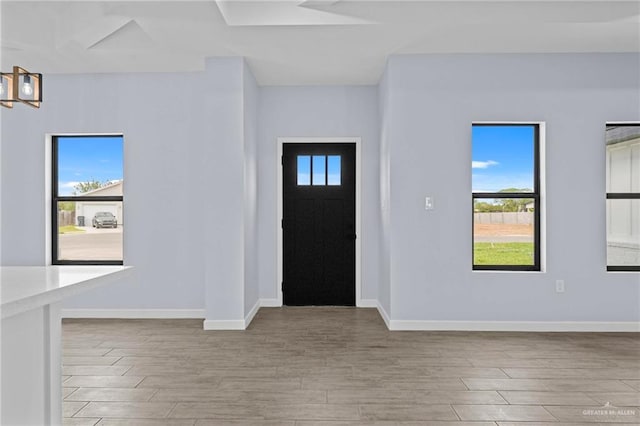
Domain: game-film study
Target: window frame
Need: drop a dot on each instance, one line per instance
(56, 198)
(618, 196)
(535, 195)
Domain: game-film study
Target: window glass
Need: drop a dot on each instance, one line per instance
(334, 170)
(623, 197)
(503, 232)
(90, 230)
(623, 232)
(87, 215)
(304, 170)
(319, 170)
(503, 158)
(88, 163)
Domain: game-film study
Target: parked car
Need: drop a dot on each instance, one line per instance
(104, 219)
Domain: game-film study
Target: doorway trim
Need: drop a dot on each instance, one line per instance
(310, 140)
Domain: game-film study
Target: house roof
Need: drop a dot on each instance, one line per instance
(622, 133)
(113, 186)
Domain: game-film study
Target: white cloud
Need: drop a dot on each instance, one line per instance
(68, 184)
(483, 164)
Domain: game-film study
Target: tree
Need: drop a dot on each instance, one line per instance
(83, 187)
(484, 207)
(67, 205)
(504, 204)
(515, 204)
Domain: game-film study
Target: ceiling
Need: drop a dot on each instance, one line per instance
(299, 42)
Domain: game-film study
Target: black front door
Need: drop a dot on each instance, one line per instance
(319, 224)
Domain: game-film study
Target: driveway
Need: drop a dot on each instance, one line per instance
(92, 230)
(503, 238)
(93, 244)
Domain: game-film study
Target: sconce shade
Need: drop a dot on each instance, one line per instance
(20, 86)
(27, 87)
(6, 94)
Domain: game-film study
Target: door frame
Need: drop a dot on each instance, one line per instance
(311, 140)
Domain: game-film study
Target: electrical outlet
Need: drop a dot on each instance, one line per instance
(559, 286)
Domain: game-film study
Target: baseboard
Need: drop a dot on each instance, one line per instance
(252, 313)
(533, 326)
(270, 303)
(384, 315)
(396, 325)
(362, 303)
(134, 313)
(367, 303)
(223, 325)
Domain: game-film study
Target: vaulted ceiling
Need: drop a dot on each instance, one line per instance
(289, 42)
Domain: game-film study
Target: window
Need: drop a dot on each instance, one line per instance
(506, 196)
(319, 170)
(623, 197)
(87, 203)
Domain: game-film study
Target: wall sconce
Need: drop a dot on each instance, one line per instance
(20, 86)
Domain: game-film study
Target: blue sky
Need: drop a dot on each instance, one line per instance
(83, 159)
(502, 157)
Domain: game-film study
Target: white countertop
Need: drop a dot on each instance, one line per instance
(28, 287)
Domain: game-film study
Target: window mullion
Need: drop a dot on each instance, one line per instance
(623, 195)
(80, 198)
(326, 170)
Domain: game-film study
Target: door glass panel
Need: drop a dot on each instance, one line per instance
(319, 170)
(333, 172)
(304, 170)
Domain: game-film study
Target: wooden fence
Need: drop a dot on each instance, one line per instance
(66, 218)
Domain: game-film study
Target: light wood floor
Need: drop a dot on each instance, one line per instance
(336, 366)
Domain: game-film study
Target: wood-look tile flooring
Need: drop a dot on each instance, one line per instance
(339, 366)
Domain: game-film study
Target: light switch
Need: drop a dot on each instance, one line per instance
(428, 203)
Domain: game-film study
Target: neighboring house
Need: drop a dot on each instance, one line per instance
(88, 209)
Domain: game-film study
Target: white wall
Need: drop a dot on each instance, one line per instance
(220, 187)
(431, 104)
(384, 254)
(250, 100)
(317, 112)
(149, 109)
(184, 196)
(190, 147)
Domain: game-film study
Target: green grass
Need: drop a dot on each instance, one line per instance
(503, 254)
(69, 229)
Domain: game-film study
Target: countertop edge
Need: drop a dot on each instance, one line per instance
(25, 304)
